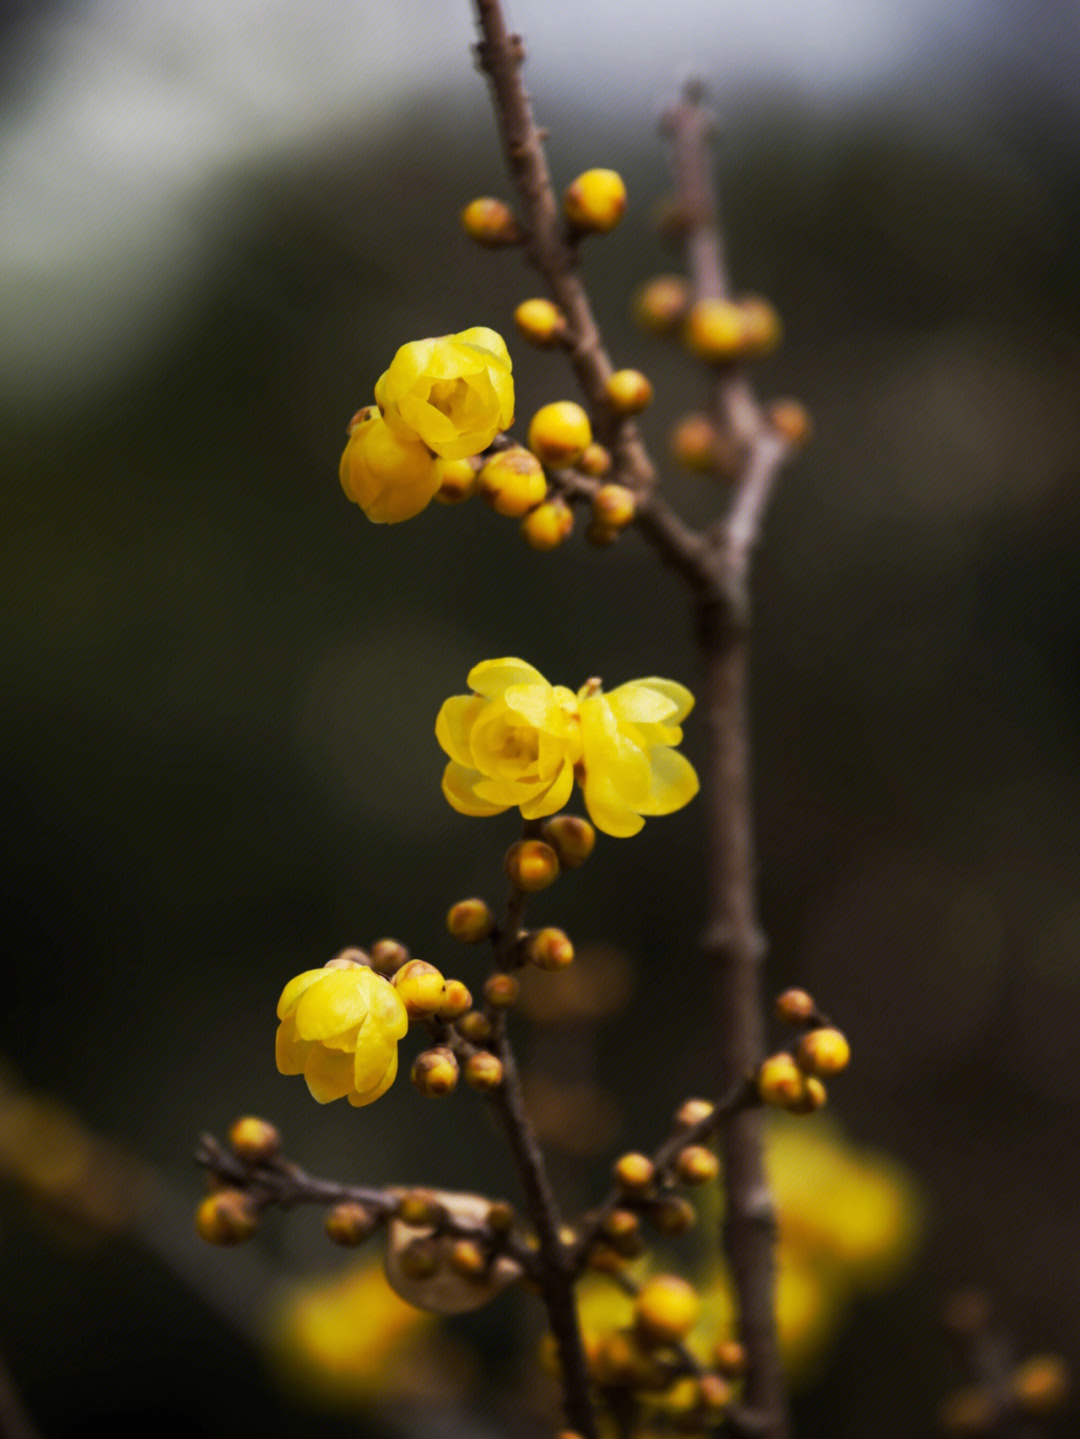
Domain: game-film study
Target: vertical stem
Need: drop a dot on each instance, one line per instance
(733, 942)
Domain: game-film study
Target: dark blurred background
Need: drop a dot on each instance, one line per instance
(220, 681)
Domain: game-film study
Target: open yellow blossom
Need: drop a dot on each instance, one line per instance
(391, 476)
(454, 393)
(339, 1029)
(518, 740)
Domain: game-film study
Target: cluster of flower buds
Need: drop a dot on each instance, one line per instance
(794, 1079)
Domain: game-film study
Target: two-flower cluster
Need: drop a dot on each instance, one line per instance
(441, 399)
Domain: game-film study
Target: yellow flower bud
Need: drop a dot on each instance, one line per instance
(666, 1309)
(470, 920)
(475, 1027)
(661, 303)
(227, 1217)
(421, 988)
(716, 330)
(730, 1358)
(458, 1001)
(780, 1081)
(459, 482)
(823, 1052)
(483, 1071)
(501, 990)
(811, 1099)
(546, 527)
(549, 949)
(540, 322)
(388, 955)
(490, 222)
(595, 461)
(795, 1007)
(513, 482)
(572, 839)
(339, 1029)
(672, 1214)
(531, 865)
(696, 1165)
(762, 328)
(435, 1072)
(613, 507)
(634, 1172)
(628, 392)
(465, 1257)
(254, 1140)
(392, 476)
(453, 394)
(1040, 1385)
(792, 420)
(695, 443)
(595, 201)
(692, 1112)
(350, 1223)
(559, 433)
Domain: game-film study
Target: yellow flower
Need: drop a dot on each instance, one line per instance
(339, 1029)
(519, 740)
(391, 476)
(454, 393)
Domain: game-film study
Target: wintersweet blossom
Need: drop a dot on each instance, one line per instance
(454, 393)
(339, 1029)
(520, 741)
(389, 475)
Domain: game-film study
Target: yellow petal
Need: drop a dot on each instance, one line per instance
(388, 1012)
(458, 787)
(640, 703)
(373, 1054)
(289, 1052)
(410, 362)
(329, 1073)
(674, 783)
(290, 995)
(609, 815)
(679, 695)
(553, 798)
(491, 677)
(609, 756)
(357, 1100)
(486, 339)
(454, 726)
(338, 1004)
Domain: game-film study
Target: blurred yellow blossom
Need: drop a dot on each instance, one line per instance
(454, 393)
(518, 740)
(339, 1029)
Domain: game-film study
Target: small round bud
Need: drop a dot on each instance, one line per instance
(490, 222)
(595, 461)
(475, 1027)
(605, 1259)
(467, 1259)
(435, 1072)
(730, 1358)
(634, 1173)
(715, 330)
(613, 507)
(227, 1217)
(671, 1214)
(470, 920)
(622, 1230)
(500, 1217)
(420, 1258)
(595, 201)
(811, 1099)
(559, 433)
(714, 1395)
(695, 444)
(546, 527)
(349, 1223)
(348, 959)
(549, 949)
(531, 865)
(823, 1052)
(501, 990)
(421, 987)
(666, 1309)
(254, 1140)
(540, 322)
(483, 1071)
(795, 1007)
(696, 1165)
(572, 839)
(780, 1081)
(387, 956)
(692, 1112)
(420, 1210)
(762, 330)
(661, 303)
(792, 420)
(1040, 1384)
(513, 482)
(628, 392)
(459, 482)
(458, 1000)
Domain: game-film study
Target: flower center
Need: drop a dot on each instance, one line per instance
(448, 395)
